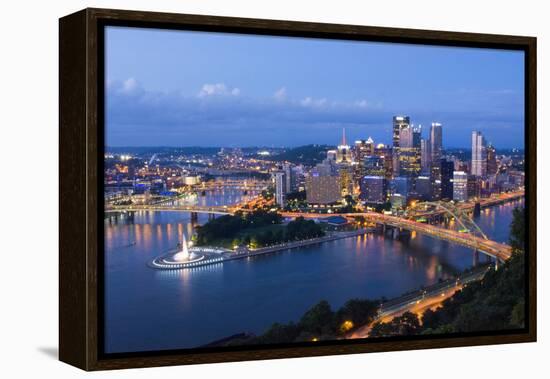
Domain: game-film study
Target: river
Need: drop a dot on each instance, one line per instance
(147, 309)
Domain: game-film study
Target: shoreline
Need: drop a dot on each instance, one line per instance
(227, 256)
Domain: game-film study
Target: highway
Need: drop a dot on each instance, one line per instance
(419, 301)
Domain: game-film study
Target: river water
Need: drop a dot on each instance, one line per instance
(147, 309)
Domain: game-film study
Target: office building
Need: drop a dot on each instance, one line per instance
(400, 185)
(409, 152)
(447, 170)
(373, 189)
(436, 153)
(321, 189)
(280, 188)
(425, 156)
(474, 186)
(479, 155)
(386, 153)
(492, 167)
(460, 186)
(343, 152)
(399, 122)
(423, 187)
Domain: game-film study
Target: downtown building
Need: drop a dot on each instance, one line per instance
(479, 155)
(460, 186)
(399, 123)
(373, 189)
(436, 153)
(323, 189)
(447, 172)
(408, 151)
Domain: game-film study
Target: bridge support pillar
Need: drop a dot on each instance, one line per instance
(477, 209)
(476, 258)
(194, 216)
(403, 234)
(211, 216)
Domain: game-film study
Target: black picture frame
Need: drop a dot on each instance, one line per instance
(81, 81)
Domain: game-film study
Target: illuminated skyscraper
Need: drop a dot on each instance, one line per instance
(436, 152)
(479, 155)
(373, 189)
(492, 167)
(447, 169)
(399, 122)
(322, 189)
(343, 152)
(409, 151)
(460, 186)
(385, 152)
(280, 188)
(361, 150)
(425, 156)
(291, 182)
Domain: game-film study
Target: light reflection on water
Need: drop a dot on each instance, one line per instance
(150, 309)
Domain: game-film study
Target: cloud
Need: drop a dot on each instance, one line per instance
(218, 89)
(129, 85)
(311, 102)
(280, 94)
(219, 114)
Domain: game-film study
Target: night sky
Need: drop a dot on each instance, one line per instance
(178, 88)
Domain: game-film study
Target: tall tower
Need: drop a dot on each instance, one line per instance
(343, 152)
(492, 166)
(479, 155)
(409, 151)
(436, 153)
(399, 122)
(280, 188)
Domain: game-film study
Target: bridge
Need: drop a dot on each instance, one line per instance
(215, 210)
(432, 210)
(499, 251)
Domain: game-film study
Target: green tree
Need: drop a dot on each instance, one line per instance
(359, 312)
(517, 229)
(318, 320)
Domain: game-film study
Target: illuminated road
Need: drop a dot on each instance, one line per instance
(417, 304)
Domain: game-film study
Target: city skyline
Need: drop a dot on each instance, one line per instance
(307, 87)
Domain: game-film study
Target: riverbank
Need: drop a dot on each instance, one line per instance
(247, 253)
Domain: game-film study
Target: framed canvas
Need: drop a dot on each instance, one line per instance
(240, 189)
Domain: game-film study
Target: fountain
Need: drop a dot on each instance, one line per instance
(187, 257)
(183, 255)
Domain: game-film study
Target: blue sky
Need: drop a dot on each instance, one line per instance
(179, 88)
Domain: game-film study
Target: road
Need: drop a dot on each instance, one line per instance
(431, 298)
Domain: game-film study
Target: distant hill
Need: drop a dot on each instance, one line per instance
(308, 155)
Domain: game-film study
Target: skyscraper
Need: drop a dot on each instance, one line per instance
(374, 166)
(373, 189)
(436, 151)
(460, 186)
(399, 122)
(361, 150)
(280, 188)
(447, 169)
(343, 152)
(492, 167)
(385, 152)
(425, 156)
(409, 151)
(322, 189)
(479, 155)
(291, 183)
